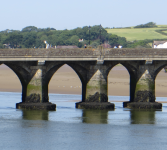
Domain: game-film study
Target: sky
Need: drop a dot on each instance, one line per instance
(70, 14)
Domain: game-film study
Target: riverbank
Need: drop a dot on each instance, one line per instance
(66, 81)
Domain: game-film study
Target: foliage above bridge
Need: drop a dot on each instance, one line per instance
(33, 37)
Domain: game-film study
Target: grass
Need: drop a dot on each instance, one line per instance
(132, 34)
(165, 31)
(162, 26)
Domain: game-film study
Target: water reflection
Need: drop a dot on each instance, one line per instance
(142, 116)
(95, 116)
(35, 114)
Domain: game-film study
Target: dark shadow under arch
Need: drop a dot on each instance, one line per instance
(21, 73)
(159, 68)
(9, 82)
(11, 78)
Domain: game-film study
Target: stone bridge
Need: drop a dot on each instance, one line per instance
(35, 68)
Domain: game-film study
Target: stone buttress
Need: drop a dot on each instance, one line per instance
(143, 84)
(96, 93)
(35, 90)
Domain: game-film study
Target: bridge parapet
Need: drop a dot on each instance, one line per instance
(46, 52)
(135, 52)
(84, 53)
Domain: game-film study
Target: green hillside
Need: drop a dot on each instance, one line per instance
(132, 34)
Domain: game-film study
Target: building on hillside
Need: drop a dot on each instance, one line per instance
(81, 40)
(120, 46)
(7, 46)
(159, 44)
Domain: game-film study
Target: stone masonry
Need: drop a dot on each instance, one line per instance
(35, 68)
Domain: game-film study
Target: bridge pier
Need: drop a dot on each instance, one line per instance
(144, 93)
(36, 91)
(96, 93)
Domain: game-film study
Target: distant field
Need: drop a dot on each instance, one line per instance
(165, 31)
(162, 26)
(139, 33)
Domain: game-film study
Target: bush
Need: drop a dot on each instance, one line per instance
(147, 25)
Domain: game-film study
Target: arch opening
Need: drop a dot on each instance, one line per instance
(65, 81)
(10, 87)
(161, 83)
(9, 80)
(119, 81)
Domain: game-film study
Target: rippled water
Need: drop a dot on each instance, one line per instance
(71, 128)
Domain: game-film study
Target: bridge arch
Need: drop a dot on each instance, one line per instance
(160, 80)
(16, 69)
(118, 80)
(76, 67)
(21, 70)
(10, 82)
(10, 71)
(131, 69)
(54, 66)
(158, 67)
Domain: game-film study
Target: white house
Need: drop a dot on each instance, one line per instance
(81, 40)
(159, 44)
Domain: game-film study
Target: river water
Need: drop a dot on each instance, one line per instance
(70, 128)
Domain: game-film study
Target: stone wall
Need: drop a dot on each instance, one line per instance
(45, 52)
(83, 52)
(149, 52)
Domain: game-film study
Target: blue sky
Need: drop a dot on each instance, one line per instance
(69, 14)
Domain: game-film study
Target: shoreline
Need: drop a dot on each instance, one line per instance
(111, 101)
(69, 94)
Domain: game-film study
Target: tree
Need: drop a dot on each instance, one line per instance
(147, 25)
(32, 36)
(138, 44)
(74, 40)
(80, 44)
(94, 44)
(14, 39)
(122, 41)
(29, 40)
(30, 29)
(1, 45)
(113, 40)
(44, 38)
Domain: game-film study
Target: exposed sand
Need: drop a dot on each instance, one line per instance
(66, 81)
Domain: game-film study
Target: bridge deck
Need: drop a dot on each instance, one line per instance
(82, 54)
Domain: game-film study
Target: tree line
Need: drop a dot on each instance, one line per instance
(33, 37)
(147, 25)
